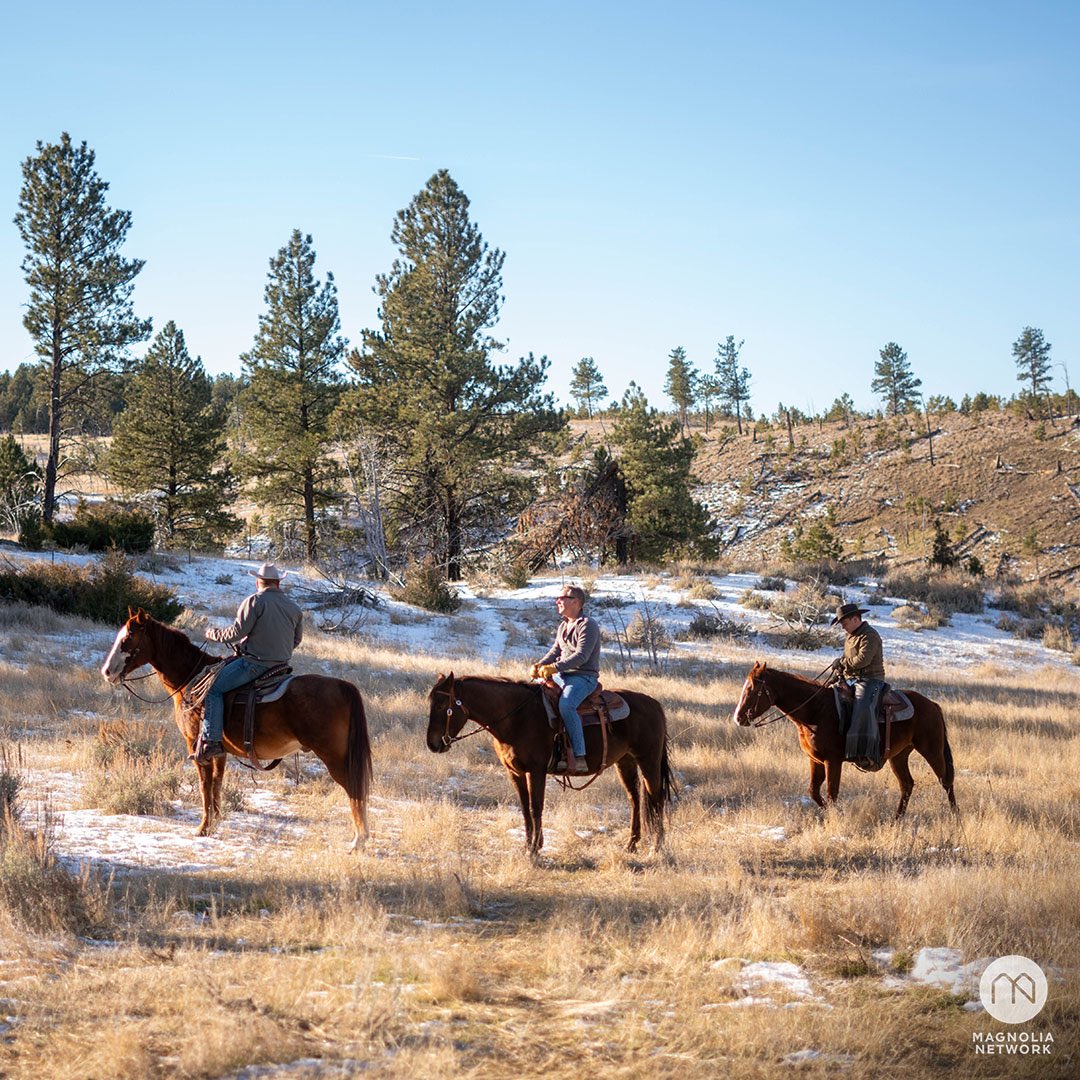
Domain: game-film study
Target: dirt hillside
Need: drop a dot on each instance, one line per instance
(1006, 489)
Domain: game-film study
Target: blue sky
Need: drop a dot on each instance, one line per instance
(815, 179)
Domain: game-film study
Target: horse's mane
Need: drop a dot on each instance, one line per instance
(793, 676)
(176, 638)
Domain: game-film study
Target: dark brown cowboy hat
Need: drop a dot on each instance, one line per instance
(845, 611)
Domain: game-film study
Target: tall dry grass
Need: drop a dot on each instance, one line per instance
(441, 950)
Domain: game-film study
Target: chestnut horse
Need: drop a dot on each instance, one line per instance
(315, 713)
(513, 714)
(812, 707)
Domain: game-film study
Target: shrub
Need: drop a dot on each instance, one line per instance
(949, 592)
(703, 589)
(1057, 636)
(102, 592)
(914, 618)
(133, 784)
(755, 601)
(426, 587)
(647, 632)
(104, 526)
(35, 889)
(706, 625)
(772, 584)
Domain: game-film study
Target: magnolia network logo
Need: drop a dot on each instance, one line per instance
(1013, 990)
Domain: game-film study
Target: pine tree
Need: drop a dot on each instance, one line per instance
(681, 385)
(1032, 354)
(79, 313)
(894, 380)
(708, 387)
(655, 461)
(734, 382)
(169, 442)
(461, 429)
(295, 385)
(20, 482)
(587, 384)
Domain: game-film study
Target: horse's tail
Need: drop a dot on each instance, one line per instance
(668, 788)
(357, 753)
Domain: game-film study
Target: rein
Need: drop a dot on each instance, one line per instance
(126, 679)
(761, 722)
(448, 739)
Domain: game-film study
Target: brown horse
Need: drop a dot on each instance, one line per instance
(513, 714)
(316, 713)
(812, 708)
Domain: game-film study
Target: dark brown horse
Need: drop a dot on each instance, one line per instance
(316, 713)
(513, 713)
(812, 708)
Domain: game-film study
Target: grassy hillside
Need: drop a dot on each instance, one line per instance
(996, 481)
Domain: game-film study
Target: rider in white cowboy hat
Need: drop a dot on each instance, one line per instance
(863, 665)
(268, 626)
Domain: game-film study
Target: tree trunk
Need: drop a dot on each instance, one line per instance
(52, 465)
(453, 538)
(309, 513)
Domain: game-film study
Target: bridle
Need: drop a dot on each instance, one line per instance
(761, 721)
(454, 701)
(126, 679)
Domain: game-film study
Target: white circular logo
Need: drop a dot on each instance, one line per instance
(1013, 989)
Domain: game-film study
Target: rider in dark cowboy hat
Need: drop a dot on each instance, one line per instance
(863, 665)
(268, 626)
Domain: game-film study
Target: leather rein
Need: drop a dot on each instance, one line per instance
(759, 721)
(456, 702)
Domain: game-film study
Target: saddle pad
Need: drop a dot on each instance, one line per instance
(899, 702)
(264, 694)
(617, 708)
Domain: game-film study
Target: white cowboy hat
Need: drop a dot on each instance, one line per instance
(268, 572)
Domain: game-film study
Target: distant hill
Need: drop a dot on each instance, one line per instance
(999, 484)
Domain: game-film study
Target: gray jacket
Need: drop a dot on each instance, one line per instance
(577, 646)
(270, 625)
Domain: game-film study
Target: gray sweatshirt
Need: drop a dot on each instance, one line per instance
(270, 625)
(577, 646)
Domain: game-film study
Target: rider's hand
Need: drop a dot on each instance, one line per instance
(545, 671)
(534, 671)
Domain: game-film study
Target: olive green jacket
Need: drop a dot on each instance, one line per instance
(863, 654)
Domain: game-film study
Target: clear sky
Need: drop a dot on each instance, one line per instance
(817, 179)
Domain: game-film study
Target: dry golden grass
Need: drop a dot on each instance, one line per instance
(441, 950)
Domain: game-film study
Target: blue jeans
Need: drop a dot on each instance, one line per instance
(233, 674)
(576, 688)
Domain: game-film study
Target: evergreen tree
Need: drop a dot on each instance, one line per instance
(461, 429)
(708, 387)
(681, 385)
(894, 380)
(79, 313)
(587, 385)
(1032, 354)
(655, 462)
(295, 385)
(734, 381)
(20, 482)
(168, 442)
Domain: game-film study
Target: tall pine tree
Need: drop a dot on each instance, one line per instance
(79, 313)
(681, 385)
(733, 381)
(587, 385)
(295, 385)
(894, 380)
(460, 428)
(1031, 351)
(169, 444)
(655, 461)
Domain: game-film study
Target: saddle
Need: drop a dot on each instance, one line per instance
(269, 686)
(602, 707)
(893, 706)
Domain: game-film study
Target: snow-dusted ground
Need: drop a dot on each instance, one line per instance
(484, 630)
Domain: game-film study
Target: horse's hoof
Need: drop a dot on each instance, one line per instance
(633, 845)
